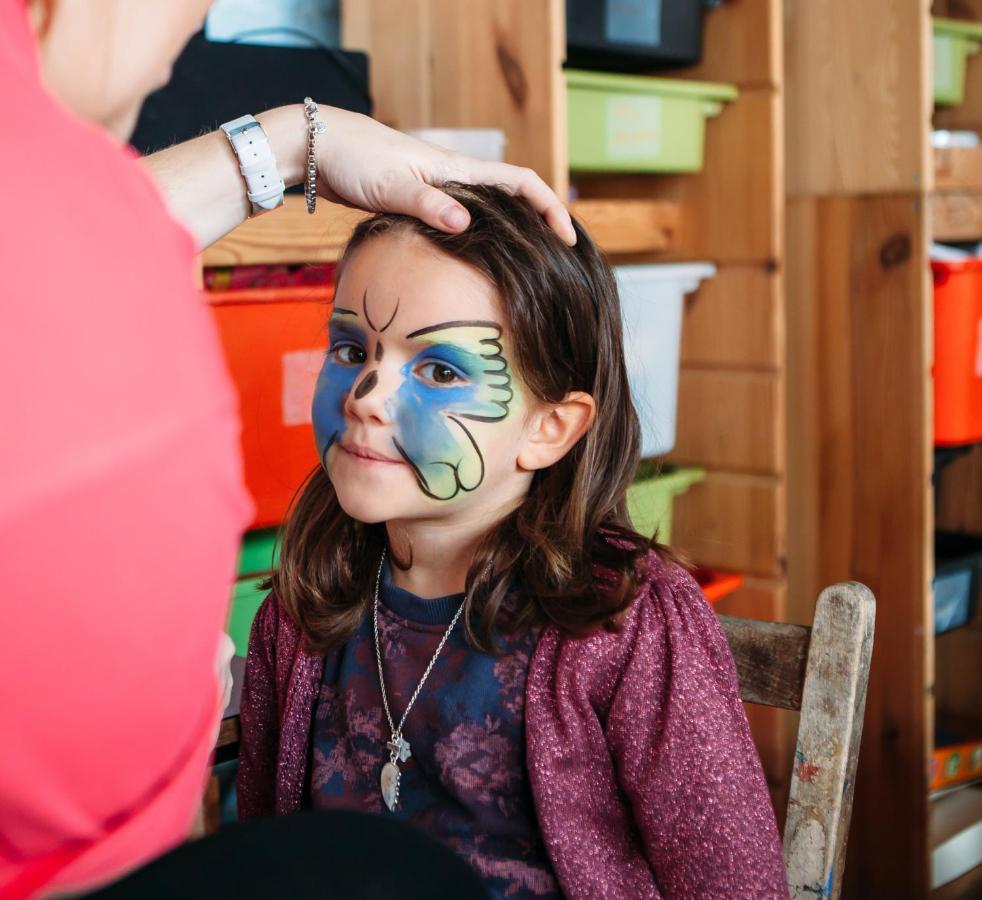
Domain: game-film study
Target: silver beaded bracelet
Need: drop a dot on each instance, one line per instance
(314, 128)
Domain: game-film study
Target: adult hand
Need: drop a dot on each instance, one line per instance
(363, 163)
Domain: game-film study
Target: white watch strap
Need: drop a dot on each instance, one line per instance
(264, 187)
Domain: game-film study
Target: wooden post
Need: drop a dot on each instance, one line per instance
(858, 112)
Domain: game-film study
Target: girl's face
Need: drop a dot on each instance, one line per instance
(418, 413)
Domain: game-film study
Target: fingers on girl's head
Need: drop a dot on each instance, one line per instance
(526, 183)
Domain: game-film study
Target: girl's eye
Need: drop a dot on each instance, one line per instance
(439, 373)
(349, 354)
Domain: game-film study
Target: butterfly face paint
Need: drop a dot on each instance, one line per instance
(439, 379)
(461, 376)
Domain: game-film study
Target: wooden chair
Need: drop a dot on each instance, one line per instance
(821, 671)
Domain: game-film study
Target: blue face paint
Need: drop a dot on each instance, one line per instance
(460, 376)
(335, 380)
(432, 435)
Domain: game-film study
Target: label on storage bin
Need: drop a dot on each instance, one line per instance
(943, 61)
(300, 371)
(634, 22)
(633, 127)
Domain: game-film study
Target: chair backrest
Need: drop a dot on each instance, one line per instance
(821, 671)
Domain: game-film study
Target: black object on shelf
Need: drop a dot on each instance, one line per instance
(944, 457)
(957, 565)
(214, 82)
(634, 35)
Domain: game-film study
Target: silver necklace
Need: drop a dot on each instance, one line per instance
(398, 746)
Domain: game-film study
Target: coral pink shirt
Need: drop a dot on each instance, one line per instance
(121, 499)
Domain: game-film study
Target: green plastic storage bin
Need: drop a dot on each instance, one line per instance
(257, 558)
(259, 553)
(631, 123)
(954, 41)
(651, 498)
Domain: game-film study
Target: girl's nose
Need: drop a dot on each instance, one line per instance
(366, 400)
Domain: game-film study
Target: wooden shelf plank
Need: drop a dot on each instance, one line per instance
(291, 235)
(956, 204)
(287, 235)
(958, 168)
(744, 430)
(734, 521)
(630, 226)
(736, 320)
(956, 216)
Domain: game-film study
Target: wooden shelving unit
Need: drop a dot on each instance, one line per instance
(866, 196)
(956, 812)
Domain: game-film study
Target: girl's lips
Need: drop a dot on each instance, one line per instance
(368, 457)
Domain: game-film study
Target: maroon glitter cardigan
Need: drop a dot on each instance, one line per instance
(645, 779)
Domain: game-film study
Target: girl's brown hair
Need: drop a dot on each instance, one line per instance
(570, 546)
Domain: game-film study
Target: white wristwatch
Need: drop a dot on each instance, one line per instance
(256, 163)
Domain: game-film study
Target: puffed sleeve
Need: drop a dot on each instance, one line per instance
(683, 752)
(646, 780)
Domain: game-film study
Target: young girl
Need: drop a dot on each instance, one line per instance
(465, 632)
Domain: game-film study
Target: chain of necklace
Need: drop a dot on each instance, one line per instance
(398, 746)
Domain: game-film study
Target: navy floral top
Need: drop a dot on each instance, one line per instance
(466, 782)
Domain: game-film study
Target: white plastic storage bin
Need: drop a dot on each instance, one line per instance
(481, 143)
(651, 305)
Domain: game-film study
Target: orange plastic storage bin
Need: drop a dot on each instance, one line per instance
(274, 341)
(957, 352)
(717, 585)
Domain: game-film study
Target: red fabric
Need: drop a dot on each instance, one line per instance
(121, 499)
(644, 775)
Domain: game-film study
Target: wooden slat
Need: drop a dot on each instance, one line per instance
(829, 739)
(480, 64)
(773, 729)
(287, 235)
(742, 44)
(733, 209)
(736, 319)
(958, 169)
(230, 732)
(859, 474)
(731, 419)
(957, 216)
(770, 660)
(858, 84)
(733, 521)
(630, 226)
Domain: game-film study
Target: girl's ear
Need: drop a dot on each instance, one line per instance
(555, 429)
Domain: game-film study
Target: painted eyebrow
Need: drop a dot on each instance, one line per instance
(448, 325)
(341, 311)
